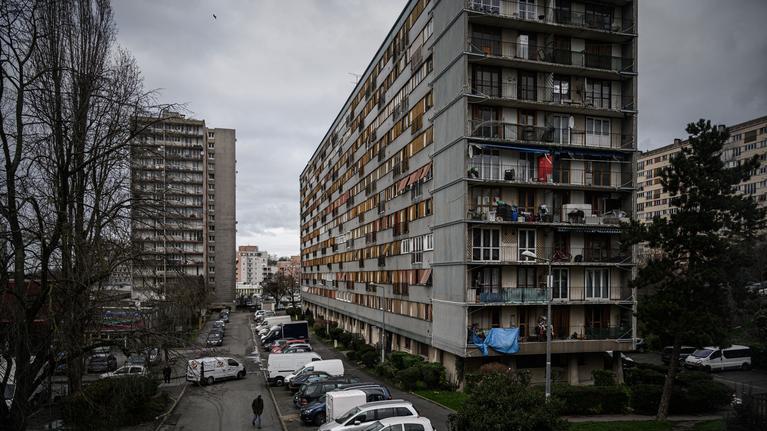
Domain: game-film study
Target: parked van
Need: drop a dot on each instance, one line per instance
(214, 369)
(334, 367)
(280, 366)
(275, 320)
(716, 359)
(339, 402)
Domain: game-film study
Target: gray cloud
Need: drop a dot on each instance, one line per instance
(278, 72)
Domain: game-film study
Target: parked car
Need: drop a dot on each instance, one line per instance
(278, 345)
(102, 363)
(224, 315)
(280, 366)
(316, 376)
(343, 400)
(685, 351)
(126, 370)
(309, 393)
(136, 359)
(214, 339)
(330, 366)
(716, 359)
(214, 369)
(368, 413)
(296, 348)
(408, 422)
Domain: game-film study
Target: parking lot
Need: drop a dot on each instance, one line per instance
(290, 414)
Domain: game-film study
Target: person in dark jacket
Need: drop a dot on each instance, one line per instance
(258, 409)
(166, 373)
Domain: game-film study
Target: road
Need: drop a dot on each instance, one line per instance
(226, 405)
(740, 381)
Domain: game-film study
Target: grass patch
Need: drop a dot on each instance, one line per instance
(621, 426)
(717, 425)
(451, 399)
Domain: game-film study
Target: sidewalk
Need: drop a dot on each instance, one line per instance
(633, 418)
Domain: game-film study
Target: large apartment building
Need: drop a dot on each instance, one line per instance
(746, 140)
(254, 266)
(183, 212)
(482, 130)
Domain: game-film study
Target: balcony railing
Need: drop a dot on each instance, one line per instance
(552, 15)
(554, 95)
(505, 131)
(521, 172)
(570, 332)
(506, 295)
(558, 255)
(547, 214)
(549, 54)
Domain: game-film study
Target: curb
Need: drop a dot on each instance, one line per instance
(433, 402)
(276, 406)
(165, 415)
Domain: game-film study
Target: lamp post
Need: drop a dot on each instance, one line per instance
(549, 286)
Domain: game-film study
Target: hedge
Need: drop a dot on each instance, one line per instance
(603, 377)
(592, 400)
(116, 402)
(699, 396)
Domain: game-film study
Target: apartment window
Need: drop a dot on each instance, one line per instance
(598, 55)
(563, 11)
(598, 16)
(597, 283)
(526, 243)
(527, 9)
(750, 136)
(486, 244)
(487, 81)
(526, 277)
(597, 132)
(485, 118)
(486, 40)
(428, 242)
(561, 88)
(598, 93)
(486, 278)
(561, 285)
(749, 189)
(488, 6)
(526, 89)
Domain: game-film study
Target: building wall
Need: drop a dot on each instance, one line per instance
(221, 202)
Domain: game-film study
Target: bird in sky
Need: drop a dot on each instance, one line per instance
(214, 16)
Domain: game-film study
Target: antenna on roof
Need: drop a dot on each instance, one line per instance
(356, 76)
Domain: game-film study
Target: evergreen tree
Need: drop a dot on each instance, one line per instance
(688, 282)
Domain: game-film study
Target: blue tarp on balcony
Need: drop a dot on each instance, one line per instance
(502, 340)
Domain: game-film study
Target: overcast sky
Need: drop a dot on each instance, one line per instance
(279, 71)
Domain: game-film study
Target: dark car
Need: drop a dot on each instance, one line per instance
(313, 391)
(224, 316)
(214, 340)
(314, 413)
(685, 351)
(102, 363)
(314, 376)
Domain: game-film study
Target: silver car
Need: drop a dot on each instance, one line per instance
(363, 416)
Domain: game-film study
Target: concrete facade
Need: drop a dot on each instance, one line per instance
(253, 266)
(183, 192)
(467, 110)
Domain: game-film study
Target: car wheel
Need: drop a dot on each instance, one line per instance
(209, 380)
(746, 366)
(319, 419)
(279, 381)
(241, 374)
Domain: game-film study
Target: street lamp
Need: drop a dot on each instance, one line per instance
(549, 285)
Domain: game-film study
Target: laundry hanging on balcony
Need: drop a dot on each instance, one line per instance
(502, 340)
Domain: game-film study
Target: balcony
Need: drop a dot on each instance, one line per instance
(553, 98)
(521, 172)
(511, 253)
(506, 295)
(602, 21)
(525, 52)
(549, 135)
(571, 339)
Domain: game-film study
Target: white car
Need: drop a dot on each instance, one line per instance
(126, 370)
(397, 423)
(359, 418)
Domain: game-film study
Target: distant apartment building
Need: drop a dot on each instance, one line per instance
(290, 266)
(182, 216)
(746, 140)
(482, 130)
(254, 266)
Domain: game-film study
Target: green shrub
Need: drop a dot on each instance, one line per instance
(335, 333)
(352, 355)
(592, 400)
(408, 378)
(759, 355)
(643, 376)
(402, 360)
(386, 370)
(344, 338)
(319, 330)
(111, 403)
(603, 377)
(645, 398)
(369, 358)
(698, 396)
(433, 375)
(356, 342)
(494, 367)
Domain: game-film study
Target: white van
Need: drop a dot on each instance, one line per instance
(281, 365)
(716, 359)
(275, 320)
(213, 369)
(334, 367)
(339, 402)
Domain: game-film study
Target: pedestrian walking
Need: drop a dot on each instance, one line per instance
(202, 373)
(166, 373)
(258, 409)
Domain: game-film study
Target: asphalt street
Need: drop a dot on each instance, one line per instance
(225, 405)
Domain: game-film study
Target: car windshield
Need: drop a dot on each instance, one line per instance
(375, 426)
(350, 414)
(702, 353)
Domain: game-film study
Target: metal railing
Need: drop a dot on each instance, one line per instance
(506, 295)
(604, 21)
(522, 172)
(504, 212)
(556, 95)
(559, 255)
(549, 54)
(549, 134)
(570, 332)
